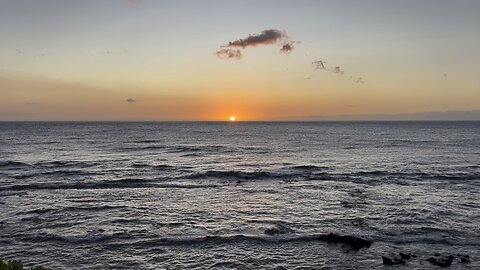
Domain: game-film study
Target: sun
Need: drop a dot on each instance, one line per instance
(232, 118)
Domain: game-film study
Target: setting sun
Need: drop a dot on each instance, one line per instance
(232, 118)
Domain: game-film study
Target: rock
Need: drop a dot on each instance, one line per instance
(394, 261)
(464, 258)
(405, 256)
(387, 261)
(442, 262)
(354, 242)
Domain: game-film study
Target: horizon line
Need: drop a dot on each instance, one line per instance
(239, 121)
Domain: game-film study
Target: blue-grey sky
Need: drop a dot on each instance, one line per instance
(84, 59)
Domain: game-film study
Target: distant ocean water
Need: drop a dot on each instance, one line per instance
(209, 195)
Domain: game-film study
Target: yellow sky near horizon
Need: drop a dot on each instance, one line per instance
(40, 99)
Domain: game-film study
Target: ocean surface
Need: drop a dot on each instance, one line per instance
(238, 195)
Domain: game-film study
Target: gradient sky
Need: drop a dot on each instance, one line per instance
(83, 60)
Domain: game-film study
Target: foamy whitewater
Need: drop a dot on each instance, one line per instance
(238, 195)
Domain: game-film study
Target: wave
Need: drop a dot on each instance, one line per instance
(459, 176)
(66, 163)
(423, 175)
(143, 148)
(394, 177)
(430, 240)
(178, 148)
(116, 184)
(241, 175)
(158, 167)
(88, 238)
(194, 148)
(11, 163)
(147, 141)
(48, 164)
(91, 208)
(311, 172)
(309, 167)
(62, 173)
(353, 241)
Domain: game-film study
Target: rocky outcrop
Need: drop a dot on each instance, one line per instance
(394, 261)
(442, 261)
(354, 242)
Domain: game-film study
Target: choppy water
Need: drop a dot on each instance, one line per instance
(201, 195)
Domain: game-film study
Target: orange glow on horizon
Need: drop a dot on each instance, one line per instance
(233, 118)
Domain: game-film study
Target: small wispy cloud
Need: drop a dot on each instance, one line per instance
(287, 47)
(338, 70)
(233, 50)
(321, 65)
(229, 53)
(358, 80)
(131, 100)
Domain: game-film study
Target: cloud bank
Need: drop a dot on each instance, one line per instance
(473, 115)
(233, 50)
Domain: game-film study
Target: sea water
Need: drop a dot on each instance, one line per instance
(207, 195)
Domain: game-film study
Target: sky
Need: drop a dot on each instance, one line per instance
(253, 59)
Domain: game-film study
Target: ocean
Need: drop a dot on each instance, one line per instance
(238, 195)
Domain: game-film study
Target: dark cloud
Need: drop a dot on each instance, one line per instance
(131, 100)
(267, 37)
(233, 50)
